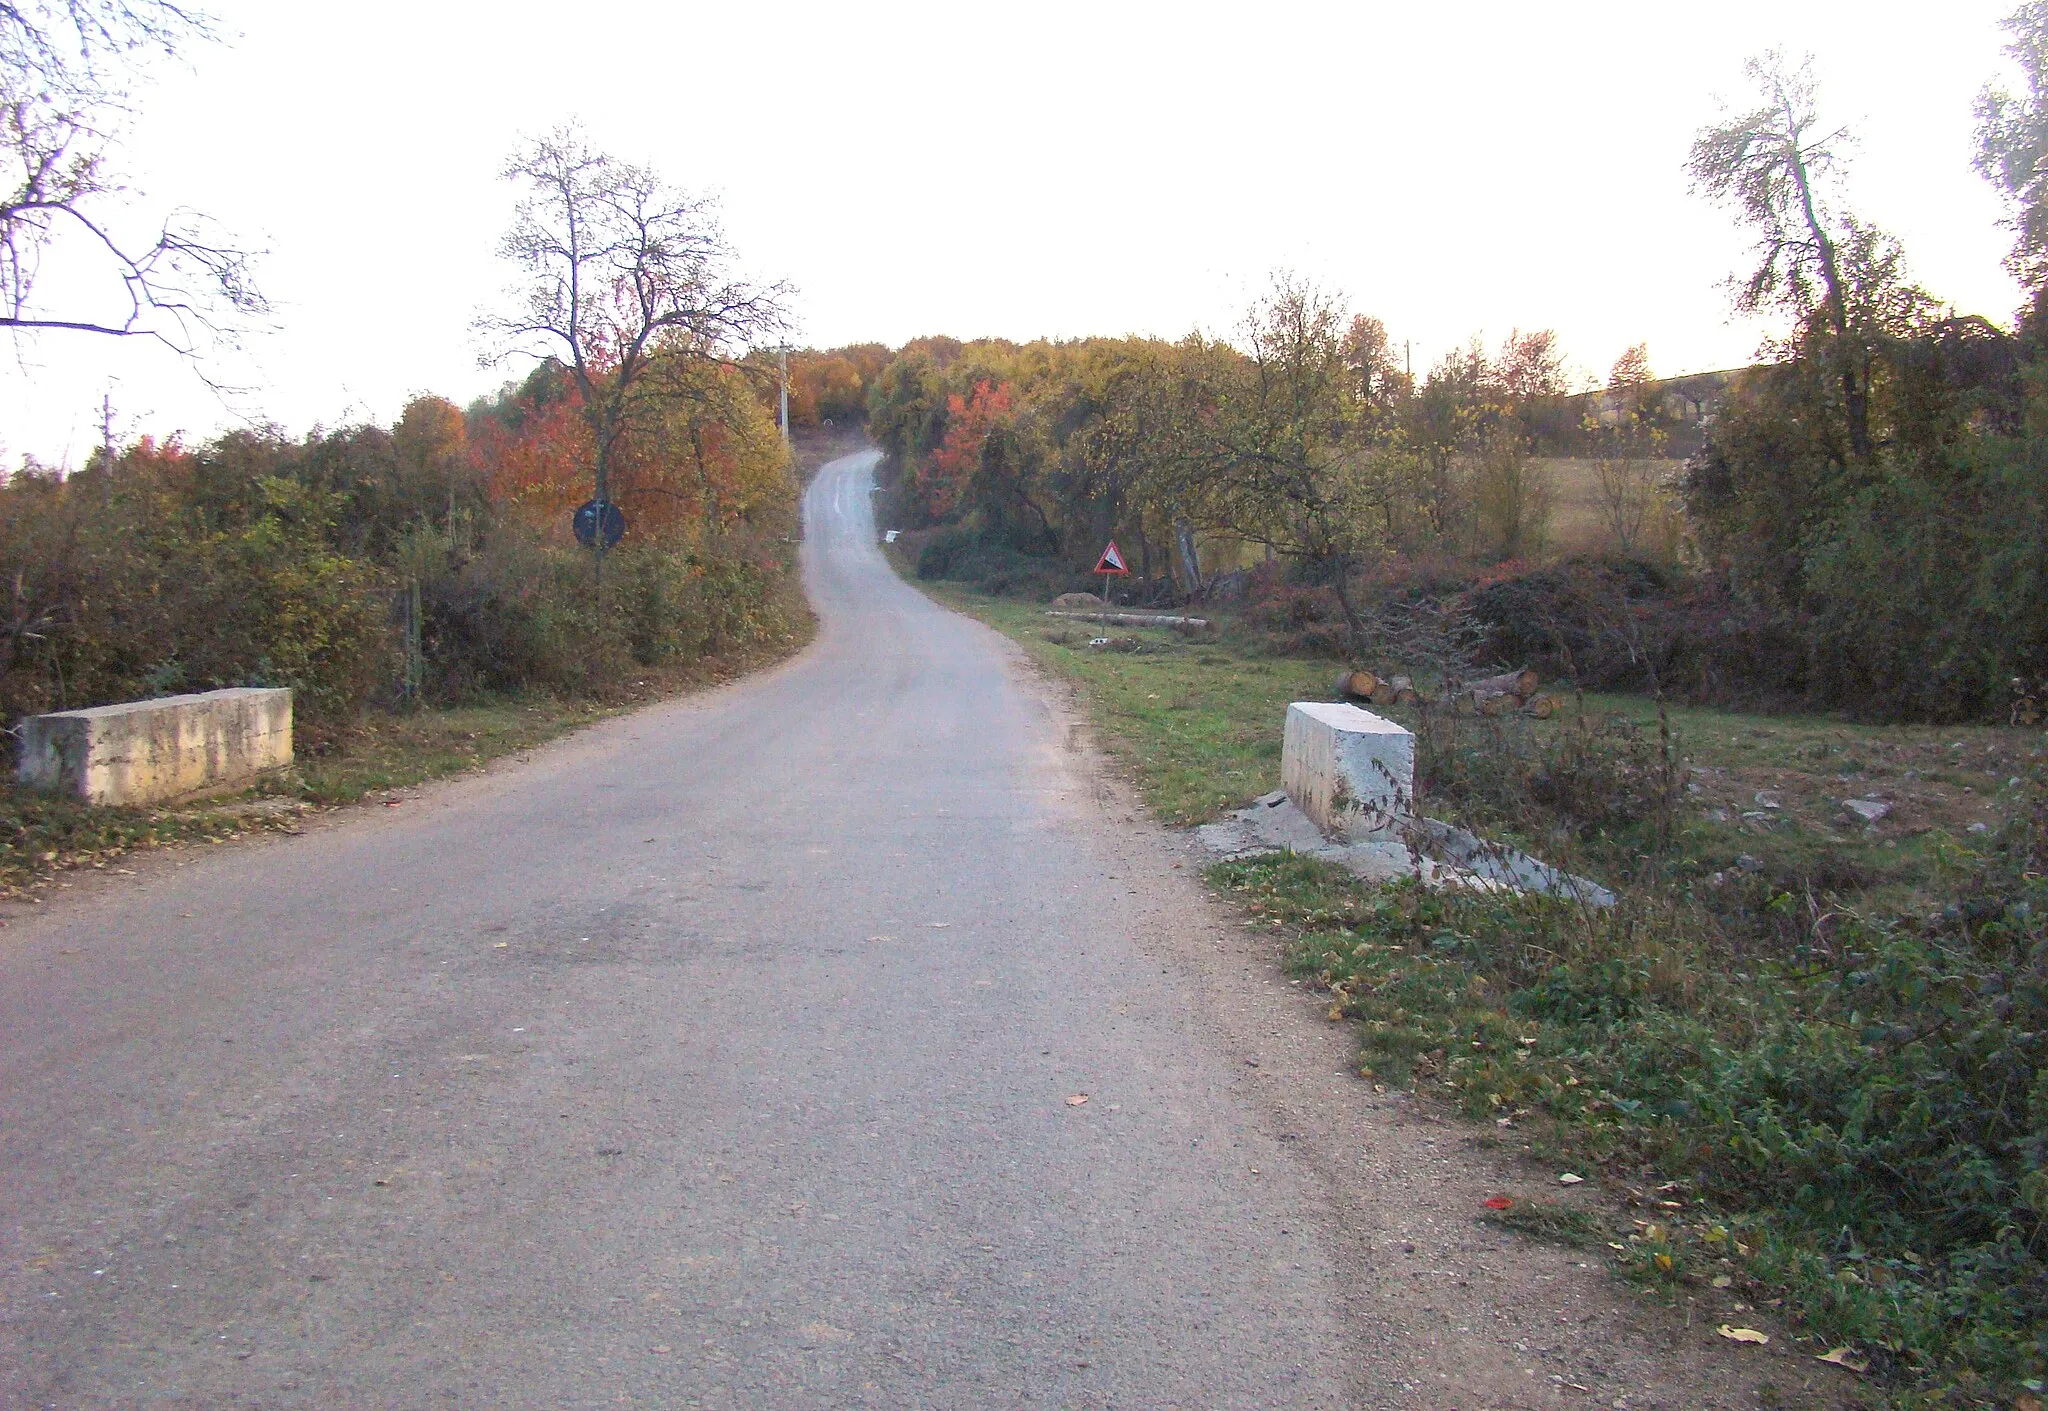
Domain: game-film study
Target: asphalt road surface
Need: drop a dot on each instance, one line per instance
(726, 1054)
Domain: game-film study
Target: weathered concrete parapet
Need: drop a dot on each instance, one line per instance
(1338, 760)
(148, 751)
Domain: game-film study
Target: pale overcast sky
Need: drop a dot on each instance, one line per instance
(1057, 169)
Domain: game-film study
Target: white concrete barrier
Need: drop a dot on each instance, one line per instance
(1346, 768)
(148, 751)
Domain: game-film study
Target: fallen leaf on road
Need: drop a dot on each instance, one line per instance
(1742, 1334)
(1498, 1202)
(1568, 1179)
(1845, 1357)
(938, 925)
(1077, 1099)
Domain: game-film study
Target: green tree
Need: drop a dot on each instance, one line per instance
(2012, 142)
(1282, 460)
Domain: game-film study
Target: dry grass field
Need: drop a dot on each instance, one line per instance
(1577, 523)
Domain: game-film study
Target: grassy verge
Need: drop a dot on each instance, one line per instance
(1813, 1055)
(1197, 719)
(42, 835)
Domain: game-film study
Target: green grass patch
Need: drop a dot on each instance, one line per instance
(398, 751)
(1856, 1126)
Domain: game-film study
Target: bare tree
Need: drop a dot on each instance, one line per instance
(620, 270)
(1627, 449)
(62, 104)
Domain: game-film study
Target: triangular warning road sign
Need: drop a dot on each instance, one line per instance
(1111, 561)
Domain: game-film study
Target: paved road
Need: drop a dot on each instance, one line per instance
(721, 1055)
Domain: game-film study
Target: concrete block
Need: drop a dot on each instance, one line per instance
(143, 752)
(1346, 768)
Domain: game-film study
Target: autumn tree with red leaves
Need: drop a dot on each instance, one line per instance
(953, 461)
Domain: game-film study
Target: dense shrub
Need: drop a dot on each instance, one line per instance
(1624, 625)
(1927, 596)
(1911, 568)
(967, 554)
(1593, 775)
(1295, 618)
(124, 589)
(519, 611)
(260, 561)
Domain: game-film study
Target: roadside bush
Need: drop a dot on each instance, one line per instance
(1295, 619)
(123, 591)
(1927, 597)
(518, 612)
(521, 611)
(965, 554)
(1596, 779)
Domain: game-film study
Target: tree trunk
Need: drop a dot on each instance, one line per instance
(1351, 619)
(1855, 398)
(1521, 683)
(1190, 561)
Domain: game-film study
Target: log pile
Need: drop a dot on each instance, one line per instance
(1505, 694)
(1376, 690)
(1510, 693)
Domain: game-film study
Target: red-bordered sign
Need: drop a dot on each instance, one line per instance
(1111, 561)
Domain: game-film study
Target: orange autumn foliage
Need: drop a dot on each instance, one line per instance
(692, 466)
(542, 464)
(955, 459)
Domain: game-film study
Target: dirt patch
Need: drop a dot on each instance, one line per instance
(1925, 785)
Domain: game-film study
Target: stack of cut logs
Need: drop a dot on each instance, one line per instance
(1506, 694)
(1377, 690)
